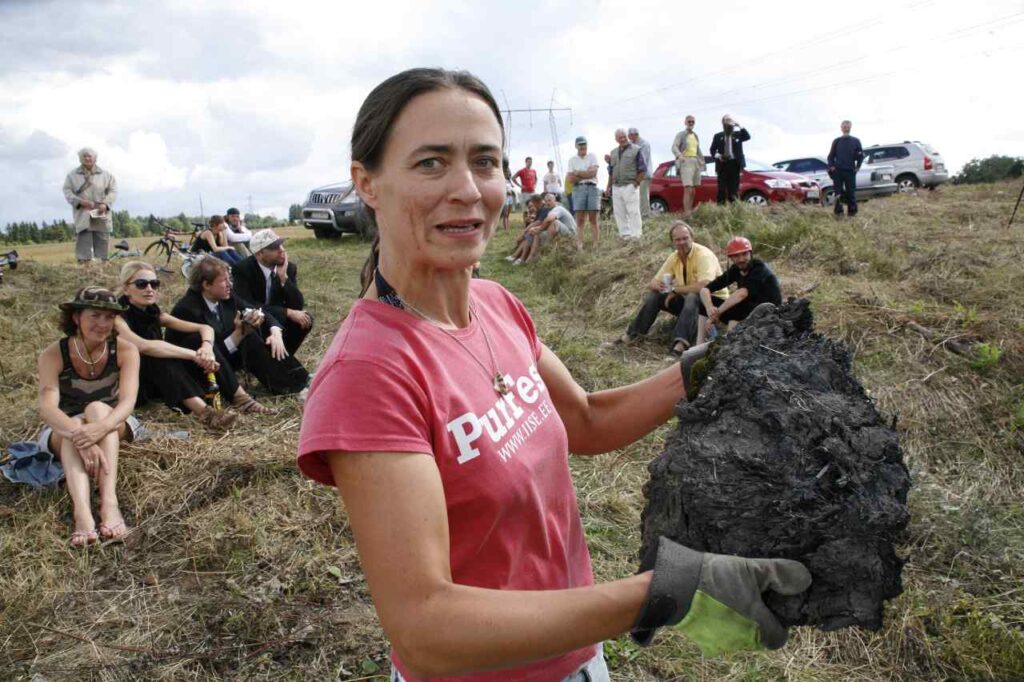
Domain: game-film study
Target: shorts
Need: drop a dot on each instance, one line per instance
(689, 171)
(526, 196)
(564, 230)
(43, 441)
(585, 197)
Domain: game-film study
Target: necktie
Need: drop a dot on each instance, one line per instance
(270, 281)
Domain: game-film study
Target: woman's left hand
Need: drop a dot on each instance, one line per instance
(87, 435)
(94, 460)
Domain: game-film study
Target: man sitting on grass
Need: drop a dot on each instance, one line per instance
(556, 221)
(676, 289)
(755, 284)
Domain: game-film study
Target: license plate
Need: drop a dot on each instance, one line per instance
(322, 215)
(812, 194)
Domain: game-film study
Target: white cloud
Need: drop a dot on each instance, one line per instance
(229, 100)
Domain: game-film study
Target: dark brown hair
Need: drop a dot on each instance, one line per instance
(377, 117)
(215, 220)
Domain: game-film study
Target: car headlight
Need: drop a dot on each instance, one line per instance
(778, 184)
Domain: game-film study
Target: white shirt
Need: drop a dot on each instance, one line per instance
(581, 163)
(552, 183)
(243, 235)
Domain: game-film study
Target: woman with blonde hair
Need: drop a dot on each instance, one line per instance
(88, 381)
(165, 373)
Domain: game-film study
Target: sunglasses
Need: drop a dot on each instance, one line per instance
(143, 283)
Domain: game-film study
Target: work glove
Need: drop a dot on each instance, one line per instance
(715, 599)
(692, 381)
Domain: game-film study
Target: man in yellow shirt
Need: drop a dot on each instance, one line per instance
(689, 162)
(676, 289)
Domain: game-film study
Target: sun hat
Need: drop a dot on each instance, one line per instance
(93, 297)
(264, 239)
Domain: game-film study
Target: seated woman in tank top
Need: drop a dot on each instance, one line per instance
(184, 379)
(214, 240)
(88, 381)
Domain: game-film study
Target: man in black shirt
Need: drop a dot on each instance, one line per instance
(844, 160)
(755, 284)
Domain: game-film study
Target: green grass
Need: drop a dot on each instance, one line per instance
(243, 570)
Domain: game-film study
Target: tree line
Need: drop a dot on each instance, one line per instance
(125, 225)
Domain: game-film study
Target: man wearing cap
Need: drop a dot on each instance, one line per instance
(270, 280)
(238, 234)
(645, 184)
(91, 191)
(626, 173)
(586, 201)
(689, 162)
(755, 284)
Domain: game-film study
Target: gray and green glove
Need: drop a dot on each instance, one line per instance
(691, 369)
(716, 599)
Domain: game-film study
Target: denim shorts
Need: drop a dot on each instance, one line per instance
(585, 197)
(594, 670)
(43, 441)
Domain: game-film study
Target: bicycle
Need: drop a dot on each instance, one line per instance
(168, 246)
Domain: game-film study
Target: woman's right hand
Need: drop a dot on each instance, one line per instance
(94, 460)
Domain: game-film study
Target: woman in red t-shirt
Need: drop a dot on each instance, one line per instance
(446, 425)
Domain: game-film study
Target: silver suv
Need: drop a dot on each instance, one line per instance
(872, 181)
(917, 164)
(334, 209)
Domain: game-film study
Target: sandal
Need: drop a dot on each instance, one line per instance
(83, 538)
(249, 405)
(218, 420)
(114, 533)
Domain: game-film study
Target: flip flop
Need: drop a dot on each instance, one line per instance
(250, 405)
(83, 538)
(114, 533)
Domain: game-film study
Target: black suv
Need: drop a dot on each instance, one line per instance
(332, 210)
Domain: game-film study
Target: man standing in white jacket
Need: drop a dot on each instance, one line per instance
(91, 191)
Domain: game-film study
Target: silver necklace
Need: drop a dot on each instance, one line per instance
(90, 363)
(498, 379)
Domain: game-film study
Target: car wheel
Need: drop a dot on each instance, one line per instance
(658, 207)
(907, 183)
(325, 232)
(756, 198)
(828, 197)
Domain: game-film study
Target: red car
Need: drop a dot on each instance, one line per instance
(759, 184)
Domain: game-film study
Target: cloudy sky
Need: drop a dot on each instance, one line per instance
(251, 104)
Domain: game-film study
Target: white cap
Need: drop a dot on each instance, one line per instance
(264, 239)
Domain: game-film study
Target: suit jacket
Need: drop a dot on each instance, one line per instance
(251, 285)
(739, 136)
(192, 308)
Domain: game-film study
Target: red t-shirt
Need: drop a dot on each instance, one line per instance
(528, 178)
(392, 382)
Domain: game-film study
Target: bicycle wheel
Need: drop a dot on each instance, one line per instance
(159, 249)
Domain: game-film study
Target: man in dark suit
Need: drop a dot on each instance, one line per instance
(270, 280)
(727, 148)
(253, 342)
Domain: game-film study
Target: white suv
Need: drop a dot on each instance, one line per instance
(917, 164)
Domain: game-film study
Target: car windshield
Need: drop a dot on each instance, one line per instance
(759, 167)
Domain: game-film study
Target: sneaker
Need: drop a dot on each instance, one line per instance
(517, 261)
(624, 340)
(510, 258)
(678, 348)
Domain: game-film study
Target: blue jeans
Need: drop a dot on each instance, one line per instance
(595, 670)
(229, 257)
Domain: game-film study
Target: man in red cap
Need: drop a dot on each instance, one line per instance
(755, 284)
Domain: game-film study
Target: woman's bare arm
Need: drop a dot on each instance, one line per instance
(605, 420)
(396, 507)
(49, 392)
(156, 348)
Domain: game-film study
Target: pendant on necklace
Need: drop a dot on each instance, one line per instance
(500, 385)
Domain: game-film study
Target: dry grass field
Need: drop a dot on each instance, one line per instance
(240, 569)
